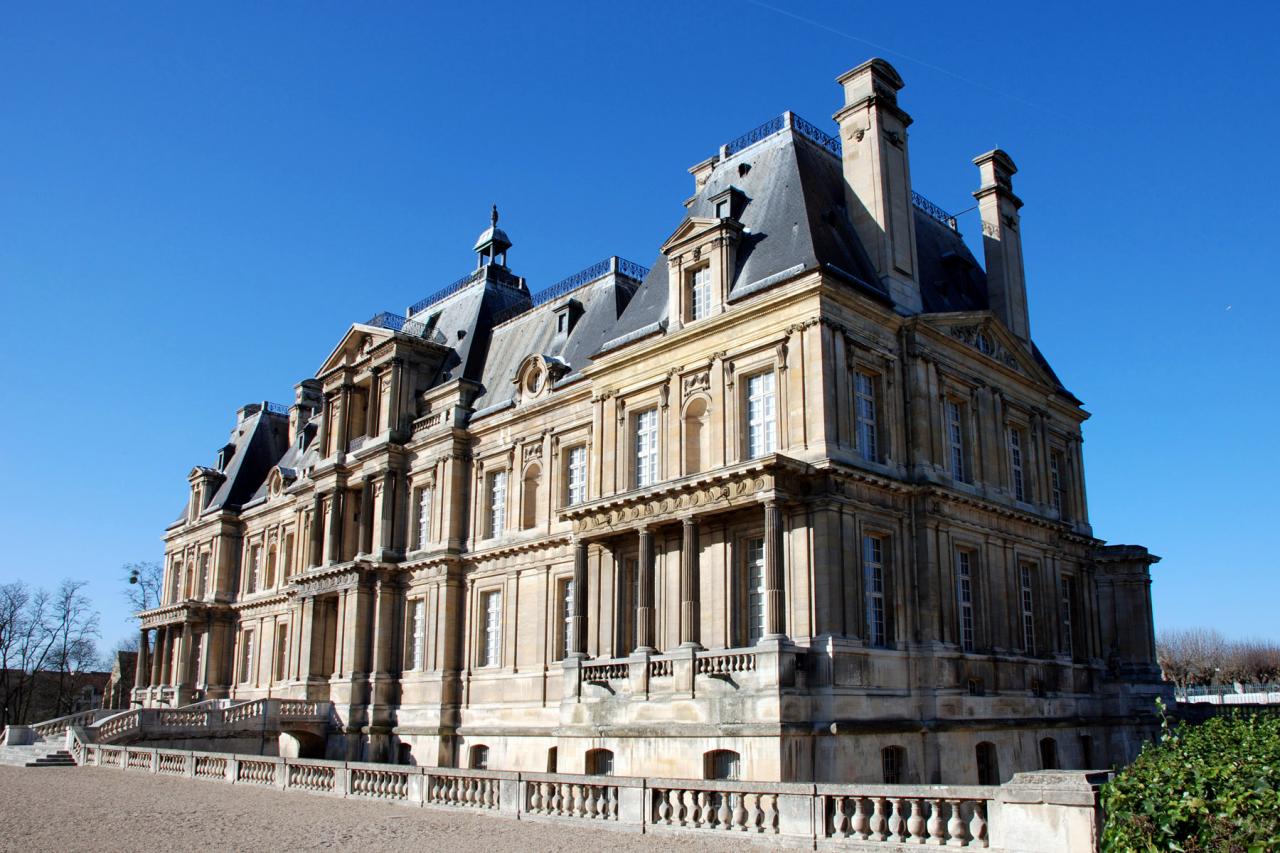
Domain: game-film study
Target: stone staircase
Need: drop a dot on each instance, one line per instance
(36, 755)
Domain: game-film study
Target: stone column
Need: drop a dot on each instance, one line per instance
(166, 662)
(387, 527)
(365, 545)
(644, 603)
(690, 627)
(577, 639)
(317, 532)
(335, 526)
(774, 614)
(157, 657)
(141, 666)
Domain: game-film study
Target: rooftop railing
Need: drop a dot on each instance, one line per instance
(829, 143)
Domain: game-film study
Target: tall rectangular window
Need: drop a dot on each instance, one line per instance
(964, 597)
(282, 652)
(755, 589)
(864, 386)
(646, 447)
(762, 416)
(564, 599)
(1028, 610)
(246, 657)
(491, 637)
(700, 294)
(419, 633)
(1017, 474)
(955, 441)
(873, 585)
(424, 516)
(1068, 606)
(576, 476)
(1056, 466)
(255, 568)
(497, 503)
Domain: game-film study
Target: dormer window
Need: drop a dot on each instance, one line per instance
(562, 321)
(699, 300)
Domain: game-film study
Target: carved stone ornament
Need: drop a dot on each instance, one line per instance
(533, 450)
(978, 337)
(700, 381)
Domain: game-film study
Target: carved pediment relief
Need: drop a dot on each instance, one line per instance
(985, 340)
(356, 346)
(691, 228)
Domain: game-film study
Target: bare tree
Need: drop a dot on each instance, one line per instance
(46, 641)
(146, 582)
(1199, 656)
(74, 625)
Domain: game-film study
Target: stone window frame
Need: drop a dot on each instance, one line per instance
(960, 395)
(737, 604)
(742, 370)
(632, 455)
(976, 586)
(245, 658)
(561, 614)
(689, 289)
(1028, 596)
(279, 663)
(415, 646)
(492, 526)
(481, 632)
(422, 484)
(1058, 489)
(884, 530)
(1019, 425)
(868, 357)
(563, 443)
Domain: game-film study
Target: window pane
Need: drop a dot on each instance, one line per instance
(867, 416)
(646, 442)
(873, 583)
(577, 486)
(762, 418)
(755, 589)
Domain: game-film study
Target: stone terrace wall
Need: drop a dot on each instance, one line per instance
(1044, 812)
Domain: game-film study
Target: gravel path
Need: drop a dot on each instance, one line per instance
(97, 808)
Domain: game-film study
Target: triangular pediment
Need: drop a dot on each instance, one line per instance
(988, 337)
(354, 346)
(690, 228)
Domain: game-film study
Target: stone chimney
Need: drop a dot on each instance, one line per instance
(877, 176)
(1002, 241)
(308, 399)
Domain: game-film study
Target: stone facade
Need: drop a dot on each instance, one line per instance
(803, 502)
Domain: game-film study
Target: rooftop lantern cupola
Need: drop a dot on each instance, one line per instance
(492, 245)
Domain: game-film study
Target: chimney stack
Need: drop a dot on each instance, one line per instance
(308, 399)
(1002, 241)
(877, 176)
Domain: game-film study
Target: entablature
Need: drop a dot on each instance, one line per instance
(183, 612)
(744, 484)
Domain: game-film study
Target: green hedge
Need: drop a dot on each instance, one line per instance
(1213, 786)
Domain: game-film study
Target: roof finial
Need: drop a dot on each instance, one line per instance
(493, 217)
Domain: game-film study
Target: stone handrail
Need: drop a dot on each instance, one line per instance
(205, 720)
(52, 728)
(1050, 811)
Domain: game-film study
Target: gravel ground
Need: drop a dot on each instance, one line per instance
(68, 809)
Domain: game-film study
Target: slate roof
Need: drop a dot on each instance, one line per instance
(794, 220)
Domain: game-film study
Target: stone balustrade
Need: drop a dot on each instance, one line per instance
(680, 672)
(1048, 812)
(207, 719)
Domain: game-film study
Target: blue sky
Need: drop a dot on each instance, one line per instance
(196, 199)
